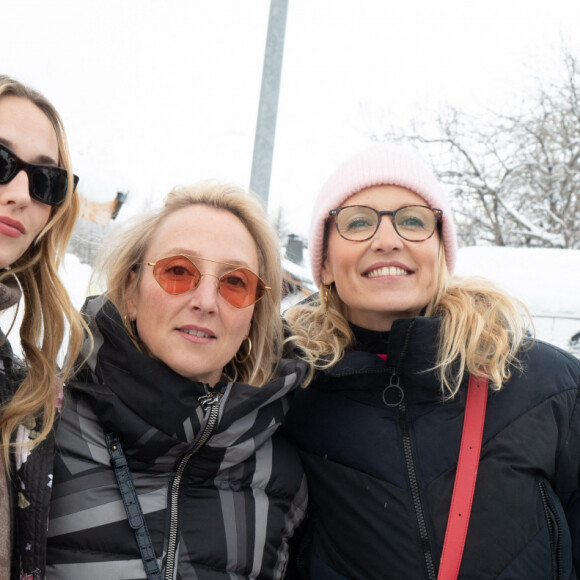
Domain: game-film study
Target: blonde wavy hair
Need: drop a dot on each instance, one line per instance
(123, 256)
(482, 330)
(47, 306)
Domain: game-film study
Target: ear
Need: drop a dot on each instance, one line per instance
(326, 273)
(131, 294)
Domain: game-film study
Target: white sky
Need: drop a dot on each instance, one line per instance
(158, 93)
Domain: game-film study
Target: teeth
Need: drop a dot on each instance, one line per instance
(387, 271)
(196, 333)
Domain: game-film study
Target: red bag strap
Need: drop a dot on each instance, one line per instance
(465, 477)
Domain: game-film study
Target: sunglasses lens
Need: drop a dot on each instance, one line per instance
(415, 223)
(48, 184)
(8, 165)
(241, 287)
(357, 222)
(176, 274)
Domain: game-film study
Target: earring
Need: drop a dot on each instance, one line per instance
(243, 360)
(130, 327)
(326, 289)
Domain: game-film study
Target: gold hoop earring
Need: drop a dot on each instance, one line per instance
(326, 289)
(243, 360)
(130, 327)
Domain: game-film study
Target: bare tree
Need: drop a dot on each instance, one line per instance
(515, 178)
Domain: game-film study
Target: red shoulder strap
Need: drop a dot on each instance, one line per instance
(465, 477)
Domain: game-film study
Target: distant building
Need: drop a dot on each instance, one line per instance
(297, 282)
(91, 229)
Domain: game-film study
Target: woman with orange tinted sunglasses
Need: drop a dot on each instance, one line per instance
(171, 426)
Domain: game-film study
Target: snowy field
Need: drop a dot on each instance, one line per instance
(546, 280)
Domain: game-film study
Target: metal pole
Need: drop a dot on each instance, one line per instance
(268, 109)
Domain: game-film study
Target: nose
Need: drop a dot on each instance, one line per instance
(204, 296)
(386, 237)
(15, 192)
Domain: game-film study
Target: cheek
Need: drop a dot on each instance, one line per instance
(432, 271)
(341, 259)
(243, 321)
(42, 214)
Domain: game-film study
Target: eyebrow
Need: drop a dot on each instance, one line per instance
(229, 262)
(38, 160)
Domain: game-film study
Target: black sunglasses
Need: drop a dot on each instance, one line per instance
(46, 183)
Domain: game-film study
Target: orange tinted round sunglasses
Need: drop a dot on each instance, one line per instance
(179, 274)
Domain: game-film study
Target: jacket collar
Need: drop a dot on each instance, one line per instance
(411, 356)
(412, 346)
(137, 396)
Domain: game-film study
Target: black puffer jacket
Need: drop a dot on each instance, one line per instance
(235, 502)
(363, 439)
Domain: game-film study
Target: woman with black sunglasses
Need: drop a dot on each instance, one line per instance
(170, 463)
(391, 427)
(38, 210)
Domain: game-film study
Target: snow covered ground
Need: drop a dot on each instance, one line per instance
(546, 280)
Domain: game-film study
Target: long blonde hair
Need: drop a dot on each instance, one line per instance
(47, 306)
(482, 330)
(124, 253)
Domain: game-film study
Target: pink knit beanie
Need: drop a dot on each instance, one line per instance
(379, 165)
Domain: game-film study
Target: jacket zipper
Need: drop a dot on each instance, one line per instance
(415, 489)
(211, 404)
(553, 523)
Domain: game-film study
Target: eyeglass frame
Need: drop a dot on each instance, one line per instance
(218, 278)
(438, 213)
(30, 168)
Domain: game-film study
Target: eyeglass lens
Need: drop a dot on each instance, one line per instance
(178, 274)
(414, 223)
(46, 183)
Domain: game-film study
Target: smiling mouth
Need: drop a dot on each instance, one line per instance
(387, 271)
(196, 333)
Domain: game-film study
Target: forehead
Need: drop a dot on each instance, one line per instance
(27, 130)
(206, 232)
(385, 197)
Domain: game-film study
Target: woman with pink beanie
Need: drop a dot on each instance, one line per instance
(439, 440)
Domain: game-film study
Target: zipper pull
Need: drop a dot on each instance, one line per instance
(393, 395)
(210, 399)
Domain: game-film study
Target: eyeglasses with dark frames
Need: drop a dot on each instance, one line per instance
(179, 274)
(358, 223)
(47, 184)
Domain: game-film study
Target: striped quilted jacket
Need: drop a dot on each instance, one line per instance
(225, 511)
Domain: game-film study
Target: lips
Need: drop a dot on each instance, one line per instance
(195, 332)
(11, 227)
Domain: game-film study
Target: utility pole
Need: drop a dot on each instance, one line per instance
(268, 109)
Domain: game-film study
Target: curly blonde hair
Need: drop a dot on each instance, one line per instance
(47, 307)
